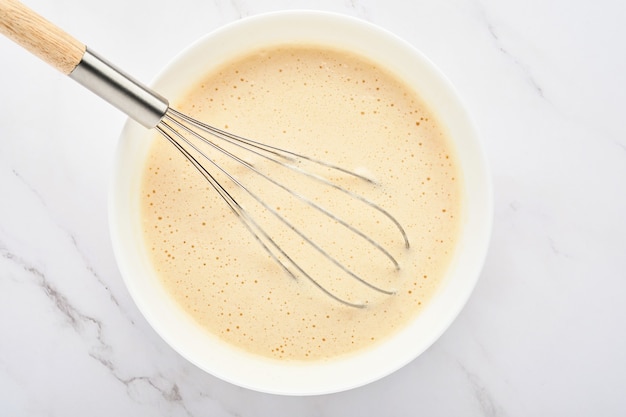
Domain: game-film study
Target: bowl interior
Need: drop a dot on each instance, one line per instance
(241, 368)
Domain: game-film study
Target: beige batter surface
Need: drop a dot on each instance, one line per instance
(340, 108)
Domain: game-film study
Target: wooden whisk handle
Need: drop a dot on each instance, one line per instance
(72, 58)
(39, 36)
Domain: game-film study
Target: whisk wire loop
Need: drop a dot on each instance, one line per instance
(265, 151)
(182, 131)
(295, 194)
(260, 235)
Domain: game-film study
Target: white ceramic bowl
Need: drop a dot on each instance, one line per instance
(233, 365)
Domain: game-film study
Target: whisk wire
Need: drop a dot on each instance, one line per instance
(170, 125)
(263, 150)
(295, 194)
(252, 226)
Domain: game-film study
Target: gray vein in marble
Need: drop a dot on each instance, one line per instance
(85, 325)
(75, 318)
(92, 271)
(30, 187)
(482, 395)
(506, 52)
(556, 250)
(83, 257)
(224, 405)
(359, 8)
(515, 205)
(240, 7)
(525, 69)
(171, 392)
(81, 323)
(9, 257)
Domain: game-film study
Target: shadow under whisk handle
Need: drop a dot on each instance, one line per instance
(71, 57)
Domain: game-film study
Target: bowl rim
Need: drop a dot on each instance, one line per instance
(309, 378)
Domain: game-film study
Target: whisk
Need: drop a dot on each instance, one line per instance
(192, 138)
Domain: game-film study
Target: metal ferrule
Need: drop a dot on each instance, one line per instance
(133, 98)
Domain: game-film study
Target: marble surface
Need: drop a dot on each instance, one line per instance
(544, 333)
